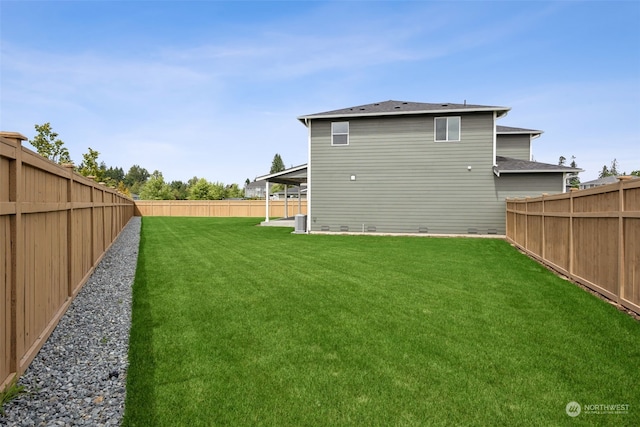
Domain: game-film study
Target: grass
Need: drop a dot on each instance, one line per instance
(241, 325)
(10, 392)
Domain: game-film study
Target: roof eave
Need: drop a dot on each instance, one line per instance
(501, 112)
(284, 172)
(499, 171)
(534, 134)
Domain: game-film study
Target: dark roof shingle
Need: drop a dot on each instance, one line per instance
(511, 165)
(391, 107)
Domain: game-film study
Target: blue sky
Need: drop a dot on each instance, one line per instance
(212, 88)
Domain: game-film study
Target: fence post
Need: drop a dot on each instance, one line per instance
(526, 222)
(70, 204)
(621, 242)
(17, 253)
(542, 231)
(571, 243)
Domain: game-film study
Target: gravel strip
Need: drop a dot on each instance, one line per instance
(79, 375)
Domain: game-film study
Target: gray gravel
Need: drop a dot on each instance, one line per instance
(79, 375)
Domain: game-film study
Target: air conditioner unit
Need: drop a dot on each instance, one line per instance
(300, 224)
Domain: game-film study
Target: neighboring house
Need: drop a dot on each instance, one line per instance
(598, 182)
(411, 167)
(292, 193)
(255, 190)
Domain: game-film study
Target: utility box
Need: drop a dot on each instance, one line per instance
(300, 224)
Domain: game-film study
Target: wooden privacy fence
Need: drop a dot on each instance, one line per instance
(592, 236)
(243, 208)
(55, 226)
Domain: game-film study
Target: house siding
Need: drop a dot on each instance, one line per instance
(405, 182)
(528, 184)
(514, 146)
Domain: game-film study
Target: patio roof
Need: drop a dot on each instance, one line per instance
(510, 165)
(296, 175)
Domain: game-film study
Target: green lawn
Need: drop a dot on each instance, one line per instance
(241, 325)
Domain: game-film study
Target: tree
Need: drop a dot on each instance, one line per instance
(136, 175)
(201, 190)
(574, 179)
(635, 173)
(234, 191)
(277, 165)
(180, 190)
(48, 145)
(155, 188)
(611, 171)
(218, 191)
(561, 160)
(205, 190)
(115, 174)
(123, 189)
(614, 168)
(89, 165)
(604, 172)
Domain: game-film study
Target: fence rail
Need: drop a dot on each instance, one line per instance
(55, 226)
(592, 236)
(222, 208)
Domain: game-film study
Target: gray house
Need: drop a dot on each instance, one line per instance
(408, 167)
(598, 182)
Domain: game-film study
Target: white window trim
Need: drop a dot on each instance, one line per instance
(435, 133)
(340, 133)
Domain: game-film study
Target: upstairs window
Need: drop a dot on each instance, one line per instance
(447, 129)
(340, 133)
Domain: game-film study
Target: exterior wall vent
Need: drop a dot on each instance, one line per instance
(324, 228)
(472, 230)
(423, 229)
(371, 228)
(344, 228)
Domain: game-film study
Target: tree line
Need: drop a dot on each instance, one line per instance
(137, 181)
(574, 179)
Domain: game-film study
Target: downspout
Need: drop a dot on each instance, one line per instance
(495, 118)
(531, 138)
(307, 122)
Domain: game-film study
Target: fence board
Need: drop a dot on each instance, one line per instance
(55, 226)
(592, 236)
(218, 208)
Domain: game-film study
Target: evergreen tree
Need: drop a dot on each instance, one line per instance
(277, 165)
(136, 175)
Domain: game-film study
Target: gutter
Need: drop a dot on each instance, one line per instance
(501, 112)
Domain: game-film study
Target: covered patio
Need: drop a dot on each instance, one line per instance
(295, 176)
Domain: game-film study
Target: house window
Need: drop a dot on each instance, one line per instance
(447, 129)
(340, 133)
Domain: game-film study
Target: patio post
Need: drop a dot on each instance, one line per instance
(266, 198)
(286, 206)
